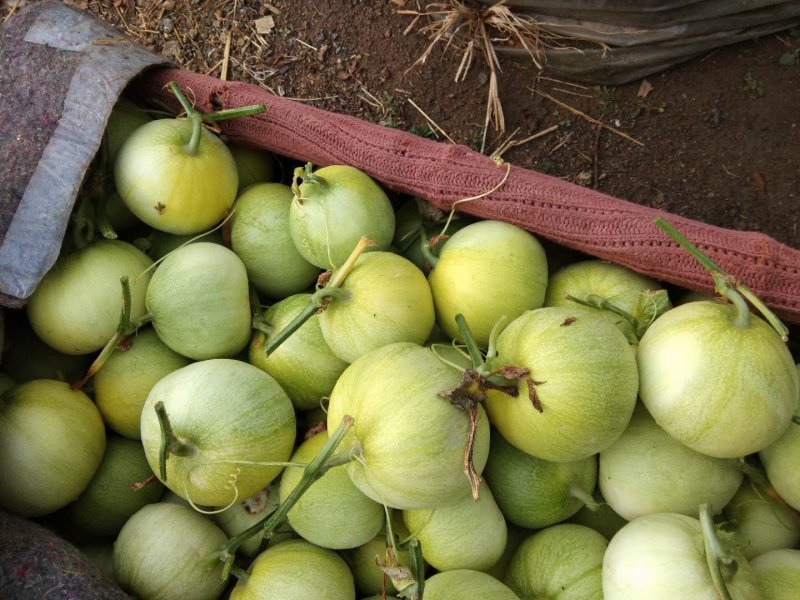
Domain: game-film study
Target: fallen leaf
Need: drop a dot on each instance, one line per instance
(265, 25)
(644, 88)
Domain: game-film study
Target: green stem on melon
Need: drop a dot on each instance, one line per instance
(469, 401)
(320, 298)
(491, 350)
(295, 324)
(596, 301)
(170, 443)
(761, 483)
(425, 248)
(125, 327)
(235, 113)
(260, 325)
(313, 471)
(342, 272)
(101, 219)
(315, 303)
(417, 569)
(577, 492)
(255, 302)
(239, 573)
(468, 395)
(305, 173)
(391, 539)
(197, 118)
(717, 557)
(258, 322)
(193, 115)
(83, 221)
(724, 283)
(742, 318)
(197, 132)
(469, 341)
(770, 316)
(479, 363)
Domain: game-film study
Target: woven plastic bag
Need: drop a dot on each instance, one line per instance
(612, 42)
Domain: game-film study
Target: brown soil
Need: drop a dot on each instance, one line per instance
(720, 135)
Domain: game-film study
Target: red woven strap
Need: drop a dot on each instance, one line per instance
(568, 214)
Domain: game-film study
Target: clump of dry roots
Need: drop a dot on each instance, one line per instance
(474, 27)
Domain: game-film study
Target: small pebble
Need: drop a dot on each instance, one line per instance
(167, 25)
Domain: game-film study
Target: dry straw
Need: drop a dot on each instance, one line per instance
(467, 28)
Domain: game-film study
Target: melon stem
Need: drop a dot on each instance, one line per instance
(469, 341)
(425, 248)
(101, 218)
(306, 174)
(197, 118)
(170, 443)
(759, 480)
(417, 569)
(194, 117)
(320, 299)
(742, 317)
(239, 573)
(125, 328)
(725, 284)
(323, 461)
(577, 492)
(717, 557)
(597, 301)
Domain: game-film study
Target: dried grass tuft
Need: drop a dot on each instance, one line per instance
(454, 23)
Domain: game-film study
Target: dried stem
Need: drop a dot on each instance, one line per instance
(454, 23)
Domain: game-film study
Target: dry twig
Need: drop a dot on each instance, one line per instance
(579, 113)
(226, 56)
(430, 121)
(512, 143)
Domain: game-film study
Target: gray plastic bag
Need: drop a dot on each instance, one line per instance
(62, 72)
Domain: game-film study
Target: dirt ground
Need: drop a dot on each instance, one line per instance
(719, 139)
